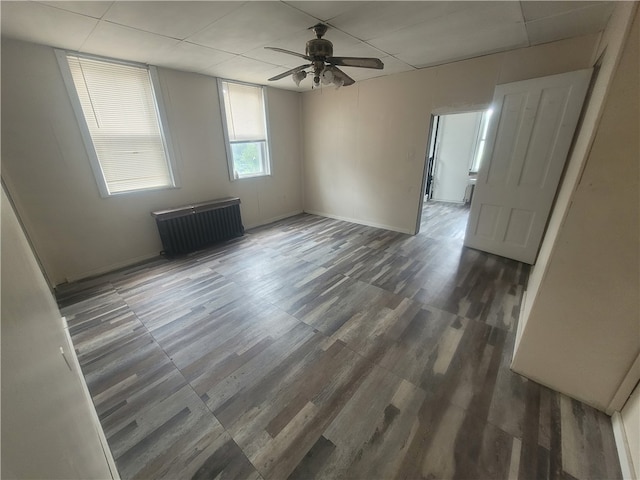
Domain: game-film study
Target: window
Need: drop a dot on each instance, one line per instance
(482, 140)
(120, 121)
(245, 129)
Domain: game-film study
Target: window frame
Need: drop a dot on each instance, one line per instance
(225, 128)
(481, 141)
(96, 167)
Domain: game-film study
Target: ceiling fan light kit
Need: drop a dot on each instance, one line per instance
(324, 66)
(298, 77)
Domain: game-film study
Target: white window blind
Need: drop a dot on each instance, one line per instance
(245, 112)
(120, 111)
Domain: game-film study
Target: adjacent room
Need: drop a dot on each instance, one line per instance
(320, 239)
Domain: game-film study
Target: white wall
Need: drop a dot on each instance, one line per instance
(580, 329)
(457, 138)
(77, 233)
(47, 424)
(365, 145)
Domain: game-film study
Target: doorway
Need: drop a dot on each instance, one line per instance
(456, 146)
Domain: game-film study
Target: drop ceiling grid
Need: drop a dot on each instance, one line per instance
(228, 38)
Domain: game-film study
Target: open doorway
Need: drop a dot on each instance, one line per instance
(454, 155)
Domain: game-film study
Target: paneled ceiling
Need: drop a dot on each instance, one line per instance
(227, 39)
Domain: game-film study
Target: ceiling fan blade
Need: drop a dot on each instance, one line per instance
(289, 72)
(343, 76)
(282, 50)
(356, 62)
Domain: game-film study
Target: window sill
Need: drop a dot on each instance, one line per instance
(140, 192)
(256, 175)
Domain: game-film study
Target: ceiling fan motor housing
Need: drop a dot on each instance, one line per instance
(319, 48)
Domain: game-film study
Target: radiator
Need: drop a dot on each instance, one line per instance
(193, 227)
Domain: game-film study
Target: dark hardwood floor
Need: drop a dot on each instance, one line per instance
(315, 348)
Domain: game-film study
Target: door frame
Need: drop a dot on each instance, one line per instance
(431, 153)
(437, 112)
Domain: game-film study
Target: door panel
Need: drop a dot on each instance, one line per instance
(537, 161)
(511, 123)
(529, 137)
(488, 220)
(519, 226)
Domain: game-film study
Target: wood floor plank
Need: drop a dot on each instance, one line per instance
(316, 348)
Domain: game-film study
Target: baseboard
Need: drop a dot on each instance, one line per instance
(272, 219)
(454, 202)
(110, 268)
(360, 222)
(622, 445)
(520, 326)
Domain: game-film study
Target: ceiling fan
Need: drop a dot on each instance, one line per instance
(324, 65)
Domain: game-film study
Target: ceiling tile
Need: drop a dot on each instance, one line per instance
(37, 23)
(91, 9)
(475, 44)
(534, 10)
(242, 68)
(193, 58)
(171, 19)
(474, 30)
(325, 10)
(571, 24)
(254, 24)
(376, 19)
(126, 43)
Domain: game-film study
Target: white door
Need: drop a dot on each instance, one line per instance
(457, 135)
(531, 130)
